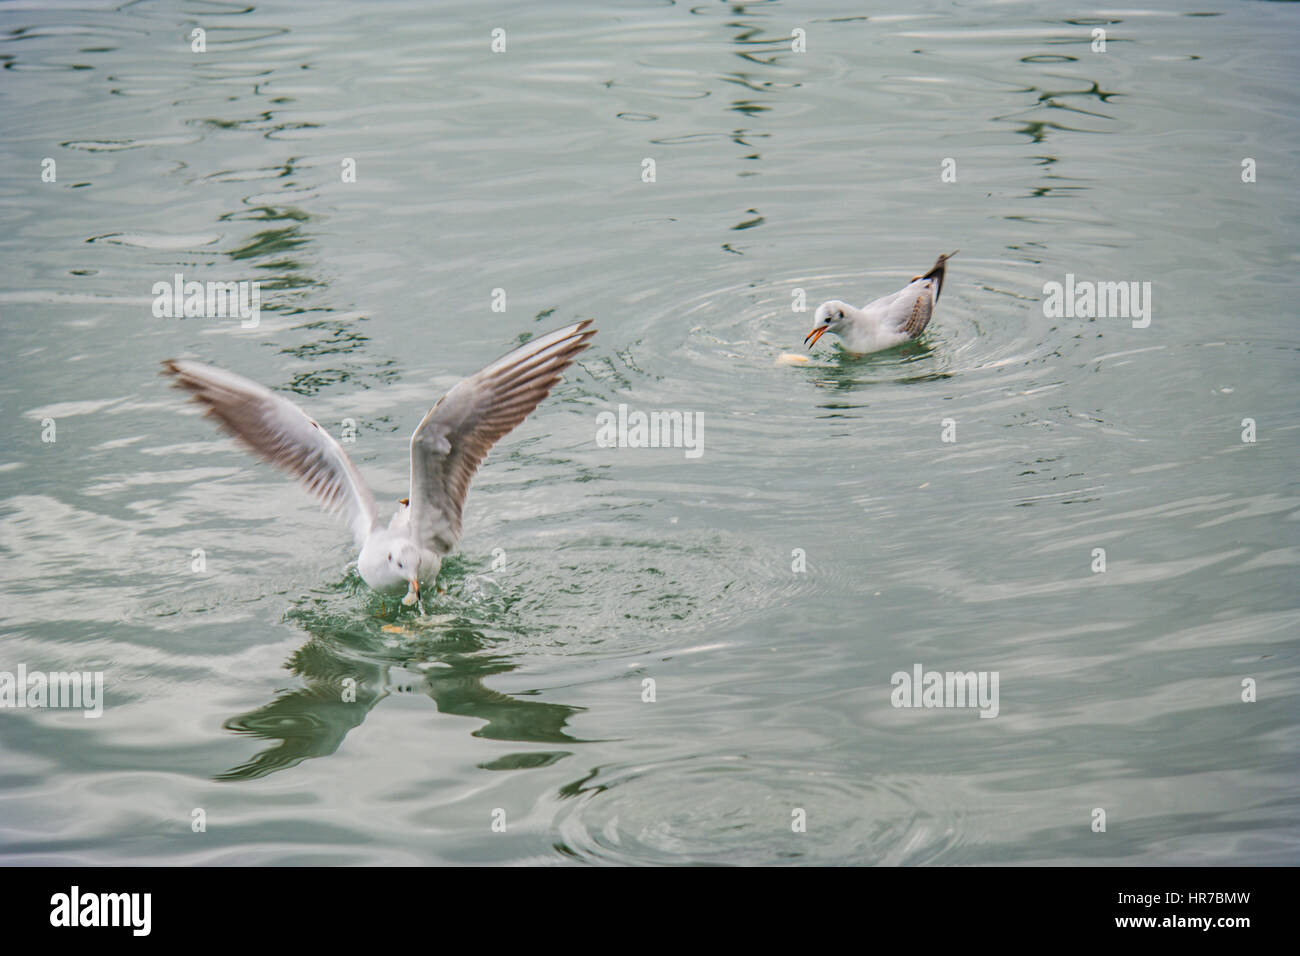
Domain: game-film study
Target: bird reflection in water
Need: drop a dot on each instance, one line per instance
(313, 720)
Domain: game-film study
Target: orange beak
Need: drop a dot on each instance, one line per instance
(413, 592)
(811, 339)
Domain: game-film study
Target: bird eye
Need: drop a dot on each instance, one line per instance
(390, 555)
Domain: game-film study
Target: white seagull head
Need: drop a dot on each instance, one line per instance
(390, 561)
(829, 317)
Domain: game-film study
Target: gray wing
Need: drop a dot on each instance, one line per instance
(452, 439)
(280, 432)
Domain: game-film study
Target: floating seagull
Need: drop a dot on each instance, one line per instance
(446, 449)
(888, 321)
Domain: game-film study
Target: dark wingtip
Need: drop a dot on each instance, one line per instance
(937, 273)
(582, 333)
(172, 371)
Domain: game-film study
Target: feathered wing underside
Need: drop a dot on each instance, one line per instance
(918, 316)
(455, 435)
(279, 432)
(922, 305)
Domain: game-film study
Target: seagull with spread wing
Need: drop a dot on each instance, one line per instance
(446, 449)
(886, 322)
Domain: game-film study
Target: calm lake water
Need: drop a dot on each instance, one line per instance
(828, 536)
